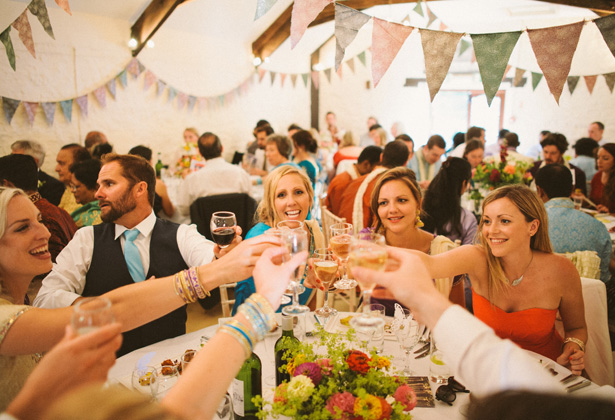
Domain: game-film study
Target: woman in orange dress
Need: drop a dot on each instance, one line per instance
(519, 285)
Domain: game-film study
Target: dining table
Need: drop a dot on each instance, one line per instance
(173, 348)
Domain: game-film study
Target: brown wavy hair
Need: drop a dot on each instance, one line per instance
(407, 176)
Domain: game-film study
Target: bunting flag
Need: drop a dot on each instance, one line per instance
(22, 26)
(339, 72)
(431, 16)
(261, 74)
(133, 68)
(492, 53)
(590, 82)
(191, 102)
(328, 74)
(606, 25)
(305, 77)
(554, 48)
(406, 20)
(387, 40)
(172, 94)
(293, 79)
(202, 103)
(141, 68)
(609, 78)
(123, 78)
(5, 37)
(464, 46)
(272, 76)
(350, 64)
(419, 8)
(160, 85)
(49, 108)
(182, 98)
(262, 7)
(31, 108)
(221, 100)
(149, 80)
(518, 77)
(9, 106)
(348, 22)
(439, 51)
(573, 81)
(304, 12)
(112, 87)
(82, 101)
(315, 80)
(361, 57)
(64, 5)
(282, 79)
(67, 109)
(101, 96)
(536, 78)
(443, 26)
(38, 9)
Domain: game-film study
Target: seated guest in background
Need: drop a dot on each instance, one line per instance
(585, 157)
(365, 139)
(472, 133)
(259, 165)
(426, 161)
(288, 196)
(84, 186)
(355, 204)
(378, 135)
(48, 187)
(253, 146)
(603, 182)
(397, 129)
(217, 177)
(409, 143)
(332, 134)
(518, 284)
(348, 149)
(94, 138)
(69, 154)
(278, 149)
(458, 139)
(494, 149)
(292, 129)
(304, 150)
(442, 205)
(554, 146)
(510, 143)
(162, 202)
(474, 152)
(101, 149)
(596, 131)
(571, 230)
(20, 171)
(368, 160)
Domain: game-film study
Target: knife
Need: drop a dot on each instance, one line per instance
(569, 378)
(578, 386)
(423, 348)
(420, 356)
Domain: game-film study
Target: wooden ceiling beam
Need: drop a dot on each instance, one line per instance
(151, 20)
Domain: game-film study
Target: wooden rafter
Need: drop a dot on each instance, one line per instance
(151, 20)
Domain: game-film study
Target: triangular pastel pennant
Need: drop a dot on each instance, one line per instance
(609, 78)
(202, 103)
(443, 26)
(419, 8)
(262, 7)
(64, 5)
(350, 64)
(149, 79)
(272, 75)
(315, 79)
(536, 78)
(111, 85)
(123, 78)
(518, 77)
(101, 96)
(133, 68)
(261, 74)
(361, 57)
(432, 17)
(406, 20)
(554, 48)
(606, 25)
(10, 106)
(305, 76)
(590, 81)
(506, 71)
(282, 78)
(572, 83)
(328, 74)
(439, 51)
(492, 53)
(304, 12)
(182, 98)
(67, 109)
(49, 108)
(82, 101)
(348, 22)
(191, 102)
(221, 100)
(22, 26)
(5, 37)
(463, 46)
(141, 67)
(172, 94)
(339, 72)
(38, 9)
(31, 108)
(160, 85)
(293, 79)
(387, 40)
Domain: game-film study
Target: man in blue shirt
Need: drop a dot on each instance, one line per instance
(571, 230)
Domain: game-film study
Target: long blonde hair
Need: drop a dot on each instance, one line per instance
(265, 212)
(6, 195)
(532, 208)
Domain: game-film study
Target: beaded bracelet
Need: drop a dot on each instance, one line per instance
(259, 313)
(576, 341)
(188, 287)
(180, 290)
(241, 333)
(193, 275)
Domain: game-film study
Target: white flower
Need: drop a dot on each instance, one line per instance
(300, 387)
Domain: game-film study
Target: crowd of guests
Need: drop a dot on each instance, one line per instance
(99, 224)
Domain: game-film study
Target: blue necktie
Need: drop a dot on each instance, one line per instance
(132, 256)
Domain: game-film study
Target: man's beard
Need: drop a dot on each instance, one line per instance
(124, 205)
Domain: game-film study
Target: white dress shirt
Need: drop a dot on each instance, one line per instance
(66, 281)
(217, 177)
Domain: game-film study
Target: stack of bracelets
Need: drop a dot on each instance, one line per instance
(188, 287)
(260, 315)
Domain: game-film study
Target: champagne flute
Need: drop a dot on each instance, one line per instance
(90, 314)
(223, 228)
(407, 336)
(297, 241)
(292, 225)
(325, 268)
(340, 243)
(367, 250)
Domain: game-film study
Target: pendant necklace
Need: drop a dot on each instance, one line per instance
(516, 281)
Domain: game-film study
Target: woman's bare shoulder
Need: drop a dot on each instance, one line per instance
(558, 266)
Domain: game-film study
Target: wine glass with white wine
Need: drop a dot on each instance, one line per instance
(341, 235)
(325, 268)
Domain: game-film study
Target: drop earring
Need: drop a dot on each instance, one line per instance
(418, 223)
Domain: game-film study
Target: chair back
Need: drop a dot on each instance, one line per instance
(328, 219)
(587, 263)
(241, 204)
(227, 304)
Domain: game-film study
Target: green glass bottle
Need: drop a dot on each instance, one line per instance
(246, 385)
(158, 167)
(280, 348)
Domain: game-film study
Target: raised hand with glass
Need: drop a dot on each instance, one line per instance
(341, 234)
(280, 229)
(223, 228)
(296, 241)
(325, 268)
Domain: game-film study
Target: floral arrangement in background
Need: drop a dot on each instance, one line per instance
(339, 384)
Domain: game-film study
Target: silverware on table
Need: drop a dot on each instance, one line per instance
(580, 385)
(569, 378)
(423, 348)
(424, 354)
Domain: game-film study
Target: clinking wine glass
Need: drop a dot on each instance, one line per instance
(223, 228)
(296, 241)
(325, 268)
(291, 225)
(90, 314)
(341, 235)
(367, 250)
(285, 299)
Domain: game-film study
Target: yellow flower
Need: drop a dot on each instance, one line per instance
(294, 362)
(368, 407)
(381, 362)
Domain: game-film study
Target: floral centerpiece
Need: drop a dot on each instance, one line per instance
(338, 383)
(493, 174)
